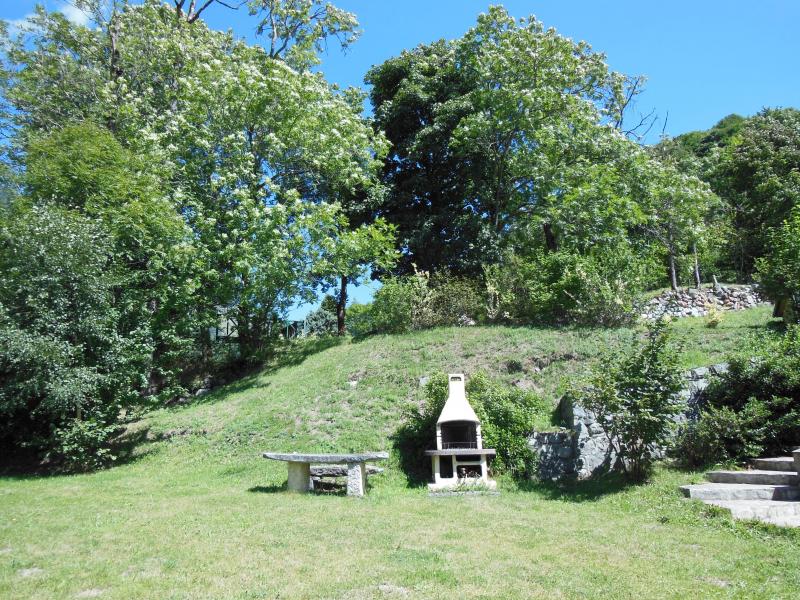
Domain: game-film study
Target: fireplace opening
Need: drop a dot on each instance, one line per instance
(459, 435)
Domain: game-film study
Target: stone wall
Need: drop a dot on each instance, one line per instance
(695, 303)
(582, 449)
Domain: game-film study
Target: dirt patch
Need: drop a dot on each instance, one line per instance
(30, 572)
(90, 593)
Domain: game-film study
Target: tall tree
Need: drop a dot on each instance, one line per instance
(491, 133)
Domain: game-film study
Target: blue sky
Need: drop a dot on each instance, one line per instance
(704, 59)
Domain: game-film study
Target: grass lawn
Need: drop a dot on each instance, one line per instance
(196, 513)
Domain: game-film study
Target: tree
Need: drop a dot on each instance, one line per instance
(491, 134)
(758, 175)
(679, 207)
(246, 147)
(68, 354)
(348, 255)
(778, 271)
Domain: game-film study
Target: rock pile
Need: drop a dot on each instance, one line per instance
(696, 302)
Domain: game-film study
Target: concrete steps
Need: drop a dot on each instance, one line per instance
(781, 463)
(760, 509)
(740, 491)
(768, 492)
(754, 477)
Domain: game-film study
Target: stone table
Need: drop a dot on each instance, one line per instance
(299, 466)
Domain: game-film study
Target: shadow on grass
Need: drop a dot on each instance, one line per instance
(579, 491)
(127, 447)
(246, 377)
(268, 489)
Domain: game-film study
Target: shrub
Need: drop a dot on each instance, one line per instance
(508, 416)
(565, 287)
(323, 320)
(635, 398)
(64, 354)
(421, 301)
(752, 409)
(721, 435)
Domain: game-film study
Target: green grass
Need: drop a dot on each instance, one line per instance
(196, 513)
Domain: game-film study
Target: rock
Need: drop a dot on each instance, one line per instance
(202, 392)
(423, 381)
(353, 384)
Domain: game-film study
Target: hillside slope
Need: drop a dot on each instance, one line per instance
(196, 513)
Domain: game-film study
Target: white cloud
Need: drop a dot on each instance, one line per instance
(16, 25)
(74, 14)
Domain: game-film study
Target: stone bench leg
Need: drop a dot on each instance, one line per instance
(299, 479)
(356, 479)
(796, 455)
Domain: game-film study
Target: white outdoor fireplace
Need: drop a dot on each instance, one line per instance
(459, 457)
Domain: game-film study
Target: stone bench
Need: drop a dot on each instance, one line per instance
(299, 468)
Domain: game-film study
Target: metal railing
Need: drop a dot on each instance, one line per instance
(455, 445)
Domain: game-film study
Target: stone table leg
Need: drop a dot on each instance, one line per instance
(299, 476)
(356, 479)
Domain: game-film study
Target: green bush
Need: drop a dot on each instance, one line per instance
(754, 408)
(635, 399)
(722, 435)
(322, 321)
(565, 287)
(507, 415)
(64, 353)
(421, 301)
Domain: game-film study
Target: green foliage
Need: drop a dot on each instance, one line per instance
(83, 445)
(758, 174)
(754, 408)
(722, 434)
(322, 321)
(508, 416)
(421, 301)
(564, 287)
(67, 350)
(635, 398)
(499, 139)
(778, 271)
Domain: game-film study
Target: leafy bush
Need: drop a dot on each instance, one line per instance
(507, 415)
(64, 353)
(635, 398)
(754, 408)
(561, 287)
(421, 301)
(722, 435)
(323, 320)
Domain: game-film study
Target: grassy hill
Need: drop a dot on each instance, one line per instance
(194, 512)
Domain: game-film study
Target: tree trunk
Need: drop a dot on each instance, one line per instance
(673, 275)
(550, 237)
(696, 267)
(341, 305)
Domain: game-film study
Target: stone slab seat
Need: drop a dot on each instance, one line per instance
(299, 467)
(754, 477)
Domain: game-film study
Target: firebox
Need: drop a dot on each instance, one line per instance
(459, 457)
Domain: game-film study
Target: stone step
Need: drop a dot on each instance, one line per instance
(760, 510)
(740, 491)
(754, 477)
(780, 463)
(783, 521)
